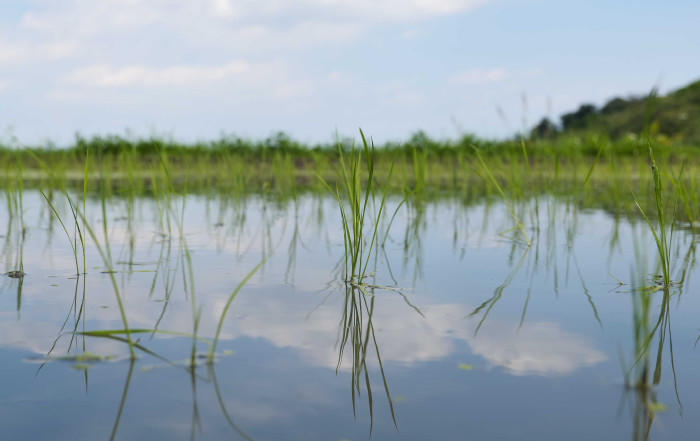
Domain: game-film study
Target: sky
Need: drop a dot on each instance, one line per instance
(201, 69)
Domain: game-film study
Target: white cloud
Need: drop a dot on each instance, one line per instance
(473, 77)
(82, 17)
(22, 51)
(297, 318)
(395, 9)
(106, 76)
(285, 321)
(112, 64)
(224, 9)
(540, 348)
(536, 348)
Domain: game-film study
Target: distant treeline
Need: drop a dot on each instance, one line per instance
(675, 117)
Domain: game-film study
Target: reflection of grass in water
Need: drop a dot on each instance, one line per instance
(358, 335)
(489, 303)
(229, 300)
(16, 232)
(85, 360)
(651, 333)
(171, 210)
(122, 402)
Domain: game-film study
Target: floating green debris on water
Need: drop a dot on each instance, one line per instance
(55, 285)
(16, 274)
(399, 399)
(86, 356)
(81, 366)
(228, 352)
(656, 407)
(465, 367)
(82, 358)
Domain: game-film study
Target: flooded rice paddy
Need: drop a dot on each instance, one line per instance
(462, 330)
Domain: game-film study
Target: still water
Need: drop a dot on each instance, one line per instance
(480, 336)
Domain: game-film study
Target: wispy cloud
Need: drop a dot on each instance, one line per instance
(23, 51)
(472, 77)
(106, 76)
(207, 17)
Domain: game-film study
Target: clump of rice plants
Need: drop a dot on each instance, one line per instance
(663, 235)
(354, 193)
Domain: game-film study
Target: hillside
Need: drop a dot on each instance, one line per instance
(675, 116)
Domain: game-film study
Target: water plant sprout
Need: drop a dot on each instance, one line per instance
(353, 199)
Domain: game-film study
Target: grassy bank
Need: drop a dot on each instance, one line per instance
(592, 169)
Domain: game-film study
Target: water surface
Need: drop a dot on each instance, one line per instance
(480, 335)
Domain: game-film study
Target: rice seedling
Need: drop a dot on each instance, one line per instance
(663, 235)
(353, 200)
(105, 254)
(685, 189)
(72, 240)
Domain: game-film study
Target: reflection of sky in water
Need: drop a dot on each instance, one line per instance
(540, 342)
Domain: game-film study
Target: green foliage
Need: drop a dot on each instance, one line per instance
(672, 118)
(354, 195)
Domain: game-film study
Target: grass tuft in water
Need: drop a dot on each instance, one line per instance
(663, 235)
(354, 195)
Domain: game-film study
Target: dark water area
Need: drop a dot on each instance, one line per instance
(480, 335)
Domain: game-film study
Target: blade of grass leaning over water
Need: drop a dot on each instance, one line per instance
(65, 230)
(506, 200)
(212, 348)
(107, 259)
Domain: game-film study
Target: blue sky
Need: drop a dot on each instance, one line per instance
(194, 69)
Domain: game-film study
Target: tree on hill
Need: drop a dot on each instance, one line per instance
(544, 129)
(675, 116)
